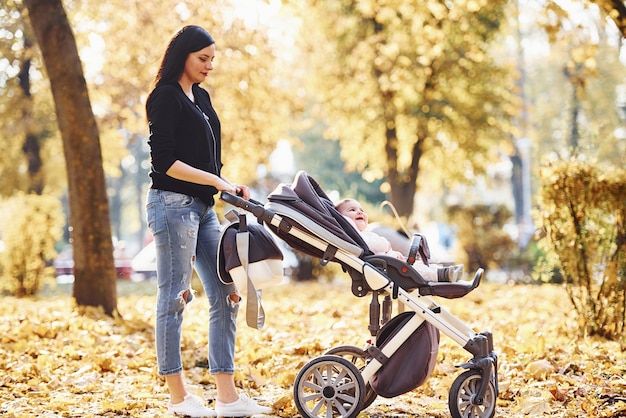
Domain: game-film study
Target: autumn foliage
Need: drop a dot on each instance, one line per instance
(481, 234)
(31, 225)
(583, 216)
(58, 361)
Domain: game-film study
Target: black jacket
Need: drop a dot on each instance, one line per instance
(179, 131)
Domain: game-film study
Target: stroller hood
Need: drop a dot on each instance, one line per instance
(309, 204)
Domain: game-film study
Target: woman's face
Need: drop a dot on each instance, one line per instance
(198, 65)
(353, 210)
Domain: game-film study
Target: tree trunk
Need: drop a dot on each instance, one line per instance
(403, 184)
(94, 270)
(517, 186)
(31, 147)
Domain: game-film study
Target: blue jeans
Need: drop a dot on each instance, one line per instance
(186, 232)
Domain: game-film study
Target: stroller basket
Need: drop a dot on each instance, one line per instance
(303, 216)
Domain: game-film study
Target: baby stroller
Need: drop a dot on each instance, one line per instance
(402, 352)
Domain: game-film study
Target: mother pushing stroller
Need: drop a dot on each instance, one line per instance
(185, 151)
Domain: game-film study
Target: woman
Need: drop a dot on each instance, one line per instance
(352, 210)
(185, 151)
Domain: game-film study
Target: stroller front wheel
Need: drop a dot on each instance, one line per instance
(329, 386)
(462, 392)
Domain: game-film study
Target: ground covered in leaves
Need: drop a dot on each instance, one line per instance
(57, 362)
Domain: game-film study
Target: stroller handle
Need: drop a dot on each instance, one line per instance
(255, 207)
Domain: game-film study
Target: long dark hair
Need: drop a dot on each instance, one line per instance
(187, 40)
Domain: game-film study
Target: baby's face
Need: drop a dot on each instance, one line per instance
(353, 210)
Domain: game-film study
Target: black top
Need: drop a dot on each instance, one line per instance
(185, 131)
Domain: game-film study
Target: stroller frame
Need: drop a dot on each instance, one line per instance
(332, 385)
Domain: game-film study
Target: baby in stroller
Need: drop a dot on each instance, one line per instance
(353, 211)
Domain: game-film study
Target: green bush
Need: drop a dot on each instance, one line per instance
(582, 216)
(30, 225)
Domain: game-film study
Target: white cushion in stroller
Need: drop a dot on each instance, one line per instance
(263, 273)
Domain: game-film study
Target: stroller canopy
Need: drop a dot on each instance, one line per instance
(305, 203)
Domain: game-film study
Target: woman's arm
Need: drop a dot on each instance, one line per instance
(182, 171)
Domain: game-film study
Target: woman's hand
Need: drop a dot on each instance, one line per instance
(236, 189)
(243, 191)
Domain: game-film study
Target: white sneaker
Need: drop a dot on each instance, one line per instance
(191, 406)
(243, 407)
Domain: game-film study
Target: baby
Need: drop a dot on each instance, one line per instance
(352, 210)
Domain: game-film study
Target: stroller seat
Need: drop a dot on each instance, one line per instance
(304, 205)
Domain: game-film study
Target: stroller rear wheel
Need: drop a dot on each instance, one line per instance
(464, 389)
(329, 386)
(358, 357)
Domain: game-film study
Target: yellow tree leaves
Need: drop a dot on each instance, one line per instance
(25, 257)
(391, 71)
(250, 86)
(582, 216)
(61, 356)
(253, 88)
(59, 362)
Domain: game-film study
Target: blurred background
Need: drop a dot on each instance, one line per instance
(446, 110)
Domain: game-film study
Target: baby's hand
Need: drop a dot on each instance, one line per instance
(396, 254)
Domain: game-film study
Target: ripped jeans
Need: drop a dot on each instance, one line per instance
(186, 232)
